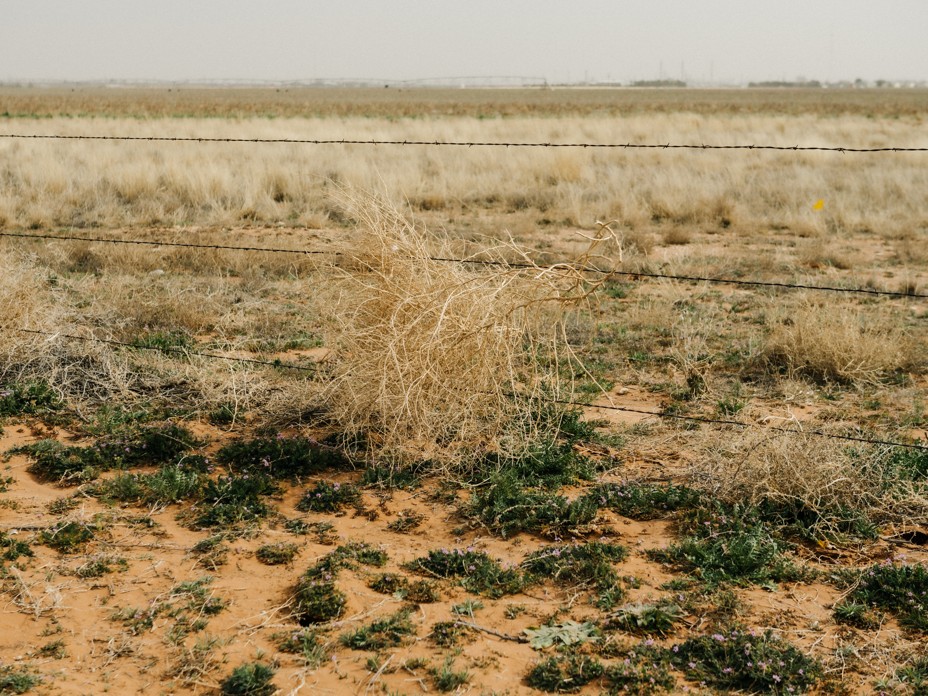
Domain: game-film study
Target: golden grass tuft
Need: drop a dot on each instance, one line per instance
(825, 478)
(440, 360)
(828, 343)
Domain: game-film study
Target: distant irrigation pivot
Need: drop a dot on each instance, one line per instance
(466, 143)
(617, 273)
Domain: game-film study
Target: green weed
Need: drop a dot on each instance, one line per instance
(233, 500)
(450, 634)
(643, 670)
(14, 680)
(446, 678)
(11, 549)
(474, 570)
(723, 543)
(384, 633)
(896, 587)
(307, 643)
(28, 398)
(70, 537)
(577, 564)
(250, 679)
(276, 554)
(406, 521)
(508, 507)
(565, 673)
(390, 478)
(280, 457)
(646, 618)
(329, 497)
(642, 501)
(745, 661)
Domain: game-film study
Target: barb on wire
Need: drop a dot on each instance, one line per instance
(463, 143)
(633, 275)
(170, 349)
(723, 421)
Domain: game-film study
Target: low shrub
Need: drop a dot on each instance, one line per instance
(745, 661)
(250, 679)
(474, 570)
(565, 673)
(384, 633)
(329, 497)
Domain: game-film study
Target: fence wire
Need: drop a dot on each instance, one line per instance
(632, 275)
(465, 143)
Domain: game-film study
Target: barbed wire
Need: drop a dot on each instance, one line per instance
(740, 424)
(465, 143)
(169, 349)
(634, 275)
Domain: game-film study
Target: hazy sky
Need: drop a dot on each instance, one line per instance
(727, 40)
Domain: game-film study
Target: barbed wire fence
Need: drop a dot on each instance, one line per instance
(609, 273)
(467, 143)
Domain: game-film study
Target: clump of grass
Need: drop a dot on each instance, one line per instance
(384, 633)
(745, 661)
(565, 673)
(329, 497)
(644, 669)
(280, 457)
(211, 551)
(406, 521)
(474, 570)
(276, 554)
(508, 507)
(896, 587)
(249, 679)
(127, 447)
(308, 643)
(446, 679)
(815, 488)
(833, 344)
(11, 549)
(316, 598)
(419, 592)
(643, 501)
(170, 484)
(100, 566)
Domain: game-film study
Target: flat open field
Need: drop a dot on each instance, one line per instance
(372, 469)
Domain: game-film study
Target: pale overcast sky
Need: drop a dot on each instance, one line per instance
(619, 40)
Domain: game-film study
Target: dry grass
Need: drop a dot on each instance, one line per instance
(833, 343)
(441, 361)
(824, 477)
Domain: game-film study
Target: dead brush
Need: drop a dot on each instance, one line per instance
(443, 361)
(829, 484)
(828, 343)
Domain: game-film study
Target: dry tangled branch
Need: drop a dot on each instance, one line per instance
(443, 360)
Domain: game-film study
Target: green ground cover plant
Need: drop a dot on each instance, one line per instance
(249, 679)
(329, 497)
(896, 587)
(729, 543)
(388, 632)
(28, 399)
(736, 659)
(565, 673)
(474, 570)
(128, 447)
(316, 598)
(280, 457)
